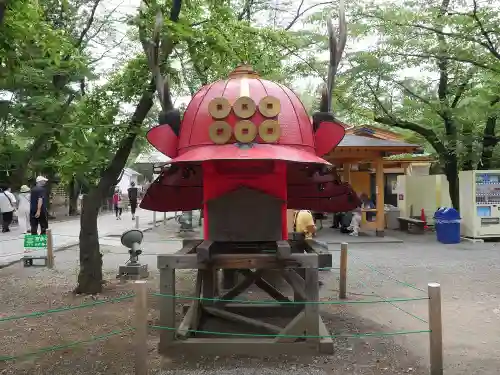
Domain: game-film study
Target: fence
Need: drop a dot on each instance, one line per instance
(141, 325)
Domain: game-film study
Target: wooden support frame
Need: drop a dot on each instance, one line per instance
(305, 319)
(379, 179)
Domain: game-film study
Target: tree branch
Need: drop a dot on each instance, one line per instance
(427, 133)
(489, 138)
(300, 12)
(462, 87)
(88, 25)
(3, 7)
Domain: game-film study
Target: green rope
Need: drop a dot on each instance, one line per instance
(389, 276)
(272, 302)
(64, 346)
(356, 335)
(66, 308)
(393, 305)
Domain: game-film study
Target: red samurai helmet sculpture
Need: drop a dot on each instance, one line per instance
(245, 151)
(252, 134)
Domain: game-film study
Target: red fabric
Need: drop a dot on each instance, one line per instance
(295, 123)
(222, 177)
(163, 138)
(328, 136)
(116, 198)
(257, 152)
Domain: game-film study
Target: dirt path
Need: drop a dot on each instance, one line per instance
(470, 298)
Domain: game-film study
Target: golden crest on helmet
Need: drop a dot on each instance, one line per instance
(269, 106)
(270, 131)
(220, 132)
(244, 107)
(219, 108)
(245, 131)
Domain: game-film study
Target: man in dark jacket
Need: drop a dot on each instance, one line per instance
(132, 197)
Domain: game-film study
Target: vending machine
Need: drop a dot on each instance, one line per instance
(480, 203)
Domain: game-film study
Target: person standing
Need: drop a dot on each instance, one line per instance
(132, 197)
(39, 215)
(117, 204)
(7, 207)
(23, 209)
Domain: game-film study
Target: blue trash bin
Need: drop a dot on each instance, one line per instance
(447, 224)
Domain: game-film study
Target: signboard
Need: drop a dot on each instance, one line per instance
(35, 245)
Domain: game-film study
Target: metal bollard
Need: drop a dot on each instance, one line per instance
(164, 218)
(137, 222)
(154, 219)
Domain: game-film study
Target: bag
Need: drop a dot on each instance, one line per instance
(11, 204)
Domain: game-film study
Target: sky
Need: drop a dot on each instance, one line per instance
(123, 7)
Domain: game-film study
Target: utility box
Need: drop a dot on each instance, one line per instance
(480, 203)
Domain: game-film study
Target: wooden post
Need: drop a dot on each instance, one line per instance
(343, 271)
(346, 172)
(379, 177)
(167, 308)
(50, 249)
(435, 326)
(137, 222)
(141, 328)
(154, 219)
(164, 218)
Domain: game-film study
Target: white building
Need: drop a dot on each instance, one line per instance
(128, 176)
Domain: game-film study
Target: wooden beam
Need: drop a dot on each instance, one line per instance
(239, 288)
(262, 310)
(192, 317)
(167, 305)
(346, 173)
(236, 261)
(203, 251)
(296, 327)
(242, 319)
(380, 188)
(266, 287)
(297, 283)
(237, 346)
(326, 341)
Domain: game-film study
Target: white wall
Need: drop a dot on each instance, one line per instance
(125, 181)
(427, 192)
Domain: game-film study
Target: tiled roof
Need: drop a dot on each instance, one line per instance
(358, 141)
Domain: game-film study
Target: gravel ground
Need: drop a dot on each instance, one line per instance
(471, 311)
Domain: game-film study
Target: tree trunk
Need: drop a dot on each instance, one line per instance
(73, 192)
(90, 277)
(451, 172)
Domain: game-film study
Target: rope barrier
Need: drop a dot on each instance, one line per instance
(393, 305)
(389, 276)
(357, 335)
(65, 346)
(66, 308)
(269, 302)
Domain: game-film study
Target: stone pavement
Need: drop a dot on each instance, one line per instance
(66, 233)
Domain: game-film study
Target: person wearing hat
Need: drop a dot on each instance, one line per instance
(23, 209)
(38, 207)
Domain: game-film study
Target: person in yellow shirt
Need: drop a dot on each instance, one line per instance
(304, 223)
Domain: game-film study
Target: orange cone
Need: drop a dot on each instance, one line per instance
(422, 217)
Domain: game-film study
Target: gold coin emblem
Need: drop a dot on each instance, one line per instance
(270, 131)
(219, 108)
(269, 106)
(244, 107)
(220, 132)
(245, 131)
